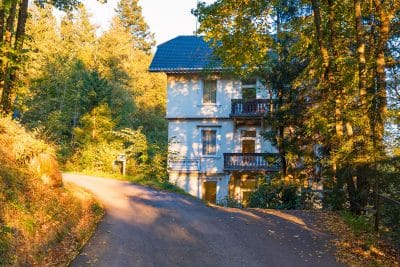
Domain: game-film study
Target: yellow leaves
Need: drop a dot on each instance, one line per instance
(376, 251)
(357, 249)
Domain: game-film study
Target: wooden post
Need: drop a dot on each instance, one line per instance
(124, 168)
(122, 160)
(377, 212)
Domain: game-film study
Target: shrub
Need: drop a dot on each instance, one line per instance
(276, 195)
(229, 203)
(335, 199)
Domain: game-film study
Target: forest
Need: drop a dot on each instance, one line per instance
(333, 67)
(78, 92)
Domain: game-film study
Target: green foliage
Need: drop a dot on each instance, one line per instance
(5, 240)
(135, 143)
(390, 218)
(358, 223)
(130, 15)
(276, 195)
(13, 54)
(94, 101)
(335, 200)
(95, 127)
(229, 203)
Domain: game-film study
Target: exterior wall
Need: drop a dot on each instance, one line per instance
(192, 183)
(185, 141)
(184, 97)
(188, 116)
(186, 144)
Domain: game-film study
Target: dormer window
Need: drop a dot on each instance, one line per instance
(209, 91)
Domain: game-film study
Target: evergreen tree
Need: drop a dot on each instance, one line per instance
(130, 15)
(13, 19)
(74, 77)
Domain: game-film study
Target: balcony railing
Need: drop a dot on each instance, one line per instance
(252, 162)
(184, 164)
(250, 108)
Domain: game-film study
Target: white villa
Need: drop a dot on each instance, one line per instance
(215, 123)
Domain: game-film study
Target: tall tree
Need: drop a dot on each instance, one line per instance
(255, 38)
(342, 87)
(130, 14)
(13, 18)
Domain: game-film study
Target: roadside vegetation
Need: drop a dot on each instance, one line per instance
(42, 221)
(356, 242)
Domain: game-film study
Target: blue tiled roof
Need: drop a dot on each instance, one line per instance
(184, 54)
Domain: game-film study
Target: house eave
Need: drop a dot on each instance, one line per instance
(185, 70)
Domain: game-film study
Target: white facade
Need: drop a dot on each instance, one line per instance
(189, 117)
(184, 97)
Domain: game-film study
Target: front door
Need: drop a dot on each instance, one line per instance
(210, 191)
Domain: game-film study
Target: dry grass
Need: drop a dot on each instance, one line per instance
(42, 223)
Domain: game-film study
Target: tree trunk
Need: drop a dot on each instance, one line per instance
(2, 18)
(22, 17)
(381, 104)
(281, 136)
(352, 190)
(362, 70)
(5, 103)
(2, 24)
(333, 85)
(11, 72)
(327, 65)
(322, 47)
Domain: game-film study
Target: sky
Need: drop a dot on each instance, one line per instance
(166, 18)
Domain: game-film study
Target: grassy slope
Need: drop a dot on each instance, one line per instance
(41, 222)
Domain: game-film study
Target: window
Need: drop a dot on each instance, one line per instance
(209, 142)
(249, 89)
(248, 141)
(210, 92)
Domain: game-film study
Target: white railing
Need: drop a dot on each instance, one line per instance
(184, 164)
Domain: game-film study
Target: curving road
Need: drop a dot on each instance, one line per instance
(145, 227)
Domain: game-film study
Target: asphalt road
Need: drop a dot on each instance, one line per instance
(145, 227)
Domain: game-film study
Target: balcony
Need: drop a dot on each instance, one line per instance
(252, 162)
(250, 108)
